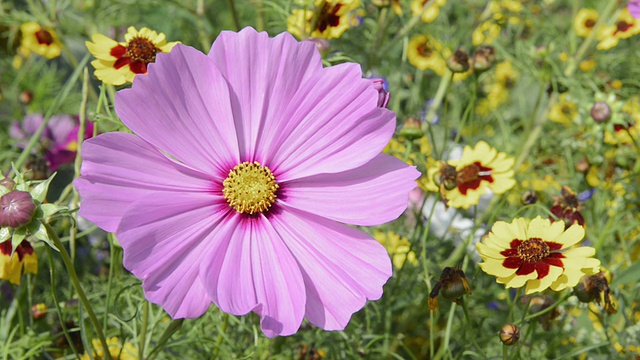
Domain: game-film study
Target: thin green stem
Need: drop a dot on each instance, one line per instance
(225, 323)
(57, 302)
(234, 15)
(73, 276)
(548, 309)
(143, 332)
(166, 335)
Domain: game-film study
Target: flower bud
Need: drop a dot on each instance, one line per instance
(16, 209)
(8, 184)
(483, 58)
(383, 95)
(529, 197)
(38, 311)
(25, 97)
(600, 111)
(412, 129)
(458, 62)
(323, 45)
(509, 334)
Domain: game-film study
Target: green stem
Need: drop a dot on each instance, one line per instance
(166, 335)
(546, 310)
(73, 276)
(505, 352)
(379, 31)
(143, 332)
(57, 302)
(445, 81)
(225, 323)
(234, 14)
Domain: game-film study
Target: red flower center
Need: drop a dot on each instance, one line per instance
(470, 177)
(22, 249)
(533, 250)
(44, 37)
(622, 26)
(424, 50)
(142, 50)
(589, 23)
(328, 17)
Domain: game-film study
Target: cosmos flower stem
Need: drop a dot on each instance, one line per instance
(62, 95)
(73, 276)
(223, 330)
(166, 335)
(57, 302)
(548, 309)
(445, 81)
(143, 331)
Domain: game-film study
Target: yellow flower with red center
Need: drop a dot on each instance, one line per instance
(538, 253)
(564, 111)
(24, 260)
(486, 33)
(117, 350)
(625, 27)
(330, 19)
(462, 182)
(425, 52)
(119, 62)
(585, 22)
(427, 9)
(40, 40)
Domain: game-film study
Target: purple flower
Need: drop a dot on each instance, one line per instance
(59, 140)
(383, 94)
(634, 8)
(246, 166)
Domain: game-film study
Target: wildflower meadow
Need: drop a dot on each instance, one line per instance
(320, 179)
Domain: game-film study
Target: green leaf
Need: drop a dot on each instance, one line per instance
(18, 235)
(41, 234)
(39, 193)
(51, 209)
(5, 234)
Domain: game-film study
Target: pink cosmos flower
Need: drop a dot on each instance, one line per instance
(634, 8)
(59, 140)
(246, 166)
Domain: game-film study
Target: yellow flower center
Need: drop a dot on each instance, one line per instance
(533, 250)
(250, 188)
(142, 49)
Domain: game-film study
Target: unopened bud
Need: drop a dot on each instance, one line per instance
(16, 209)
(323, 45)
(458, 62)
(600, 111)
(412, 129)
(529, 197)
(25, 97)
(483, 58)
(38, 311)
(383, 94)
(8, 184)
(509, 334)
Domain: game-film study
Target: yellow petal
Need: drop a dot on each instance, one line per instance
(536, 285)
(571, 236)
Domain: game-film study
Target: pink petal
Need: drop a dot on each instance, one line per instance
(265, 74)
(165, 238)
(342, 267)
(634, 8)
(183, 107)
(254, 271)
(120, 168)
(333, 124)
(371, 194)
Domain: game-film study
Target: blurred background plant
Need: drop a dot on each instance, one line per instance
(492, 71)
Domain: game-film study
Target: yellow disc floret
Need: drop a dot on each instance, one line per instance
(250, 188)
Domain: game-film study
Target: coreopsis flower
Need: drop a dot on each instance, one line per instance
(566, 208)
(427, 9)
(117, 349)
(14, 263)
(40, 40)
(241, 178)
(452, 284)
(462, 182)
(329, 20)
(625, 27)
(564, 111)
(119, 62)
(538, 253)
(486, 33)
(425, 52)
(585, 22)
(58, 141)
(398, 247)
